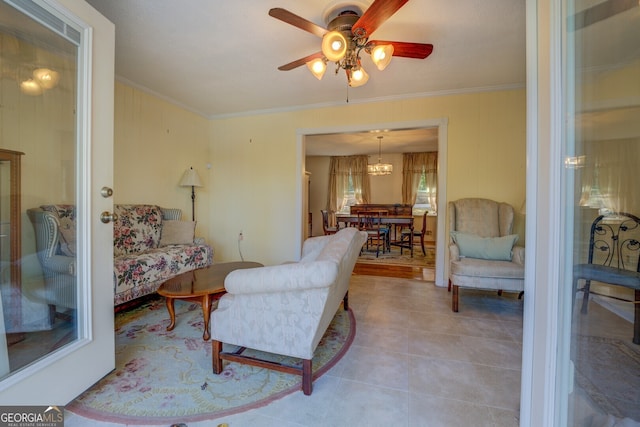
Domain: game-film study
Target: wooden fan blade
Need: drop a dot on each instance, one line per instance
(298, 62)
(599, 12)
(406, 49)
(375, 15)
(297, 21)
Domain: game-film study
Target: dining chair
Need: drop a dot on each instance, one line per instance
(409, 234)
(325, 223)
(377, 232)
(614, 259)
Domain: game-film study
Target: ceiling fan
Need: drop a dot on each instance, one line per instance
(347, 35)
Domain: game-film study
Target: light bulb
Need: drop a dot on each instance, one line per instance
(317, 67)
(30, 87)
(334, 46)
(381, 55)
(47, 78)
(358, 77)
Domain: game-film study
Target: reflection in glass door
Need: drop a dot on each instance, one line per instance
(38, 262)
(602, 184)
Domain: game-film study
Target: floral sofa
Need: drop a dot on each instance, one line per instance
(151, 245)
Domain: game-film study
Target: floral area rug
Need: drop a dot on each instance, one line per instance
(166, 377)
(394, 257)
(608, 370)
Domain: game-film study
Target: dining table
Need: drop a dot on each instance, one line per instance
(396, 223)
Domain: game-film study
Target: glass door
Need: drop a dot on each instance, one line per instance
(56, 117)
(600, 361)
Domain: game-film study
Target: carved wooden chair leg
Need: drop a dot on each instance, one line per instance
(307, 377)
(216, 347)
(454, 299)
(449, 286)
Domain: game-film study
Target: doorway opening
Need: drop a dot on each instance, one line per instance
(316, 146)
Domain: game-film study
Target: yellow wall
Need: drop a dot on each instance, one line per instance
(155, 142)
(256, 176)
(255, 181)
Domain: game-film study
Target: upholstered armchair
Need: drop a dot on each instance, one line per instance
(55, 230)
(482, 251)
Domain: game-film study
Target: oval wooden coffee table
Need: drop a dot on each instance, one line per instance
(199, 286)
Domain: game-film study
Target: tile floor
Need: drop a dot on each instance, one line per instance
(413, 363)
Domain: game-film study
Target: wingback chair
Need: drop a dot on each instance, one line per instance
(482, 251)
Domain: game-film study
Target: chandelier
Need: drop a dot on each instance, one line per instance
(380, 168)
(343, 47)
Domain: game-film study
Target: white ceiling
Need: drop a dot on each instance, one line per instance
(219, 58)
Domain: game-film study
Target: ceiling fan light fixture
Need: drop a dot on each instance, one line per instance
(358, 77)
(317, 67)
(30, 87)
(46, 78)
(334, 46)
(381, 55)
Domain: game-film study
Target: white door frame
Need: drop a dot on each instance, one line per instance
(539, 403)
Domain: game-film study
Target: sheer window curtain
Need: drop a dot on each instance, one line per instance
(340, 169)
(609, 177)
(413, 166)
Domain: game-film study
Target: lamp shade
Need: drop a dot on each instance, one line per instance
(46, 78)
(190, 179)
(30, 87)
(317, 67)
(334, 46)
(381, 55)
(358, 77)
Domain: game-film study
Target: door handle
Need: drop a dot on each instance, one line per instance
(106, 192)
(107, 217)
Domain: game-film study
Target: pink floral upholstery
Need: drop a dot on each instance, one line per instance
(140, 264)
(137, 228)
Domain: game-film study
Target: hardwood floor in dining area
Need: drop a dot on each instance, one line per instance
(398, 271)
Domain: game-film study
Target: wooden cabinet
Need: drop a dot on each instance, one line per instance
(10, 231)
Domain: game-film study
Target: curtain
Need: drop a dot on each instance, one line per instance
(413, 166)
(609, 177)
(340, 169)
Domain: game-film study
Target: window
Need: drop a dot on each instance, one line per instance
(424, 196)
(349, 197)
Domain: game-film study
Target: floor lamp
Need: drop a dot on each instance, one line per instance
(191, 179)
